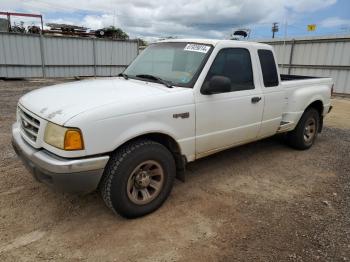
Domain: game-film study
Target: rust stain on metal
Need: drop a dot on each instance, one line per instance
(43, 110)
(53, 114)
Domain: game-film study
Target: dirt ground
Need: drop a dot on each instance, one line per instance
(259, 202)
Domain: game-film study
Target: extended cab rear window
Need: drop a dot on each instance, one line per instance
(268, 68)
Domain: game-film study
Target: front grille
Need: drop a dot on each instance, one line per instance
(29, 124)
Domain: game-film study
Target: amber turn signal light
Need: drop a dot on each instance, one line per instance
(73, 140)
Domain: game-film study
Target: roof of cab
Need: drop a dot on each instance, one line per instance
(213, 42)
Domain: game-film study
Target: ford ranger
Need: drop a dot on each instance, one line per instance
(180, 100)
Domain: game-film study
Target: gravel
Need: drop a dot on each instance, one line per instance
(260, 202)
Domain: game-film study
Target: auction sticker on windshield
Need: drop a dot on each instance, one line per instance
(197, 48)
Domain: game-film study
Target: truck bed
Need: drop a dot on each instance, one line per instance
(299, 81)
(300, 90)
(296, 77)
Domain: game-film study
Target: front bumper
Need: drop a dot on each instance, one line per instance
(71, 175)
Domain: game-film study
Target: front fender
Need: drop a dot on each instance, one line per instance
(106, 135)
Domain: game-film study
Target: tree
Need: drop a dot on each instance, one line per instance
(115, 32)
(142, 42)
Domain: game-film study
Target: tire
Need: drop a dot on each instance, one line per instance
(305, 133)
(133, 170)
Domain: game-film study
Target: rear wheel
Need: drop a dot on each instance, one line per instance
(138, 178)
(305, 133)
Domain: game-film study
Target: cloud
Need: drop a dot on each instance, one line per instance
(335, 22)
(309, 5)
(159, 18)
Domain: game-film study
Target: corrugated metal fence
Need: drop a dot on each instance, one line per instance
(322, 56)
(23, 55)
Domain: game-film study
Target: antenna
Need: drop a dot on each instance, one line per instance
(285, 37)
(112, 42)
(114, 16)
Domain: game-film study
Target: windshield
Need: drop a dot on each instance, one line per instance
(177, 63)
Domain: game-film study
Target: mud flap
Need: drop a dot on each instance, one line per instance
(321, 125)
(181, 168)
(181, 175)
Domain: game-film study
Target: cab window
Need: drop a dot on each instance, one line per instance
(268, 68)
(235, 64)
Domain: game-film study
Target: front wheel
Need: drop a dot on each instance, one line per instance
(138, 178)
(305, 133)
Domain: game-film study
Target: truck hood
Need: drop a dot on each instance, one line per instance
(59, 103)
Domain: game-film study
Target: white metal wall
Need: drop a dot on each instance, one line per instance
(322, 56)
(19, 57)
(24, 55)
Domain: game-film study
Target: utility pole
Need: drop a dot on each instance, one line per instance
(274, 29)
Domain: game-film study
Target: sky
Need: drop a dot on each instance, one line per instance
(153, 19)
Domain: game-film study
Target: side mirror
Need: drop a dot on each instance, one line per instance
(216, 85)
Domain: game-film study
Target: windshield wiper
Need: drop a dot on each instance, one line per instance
(125, 76)
(156, 78)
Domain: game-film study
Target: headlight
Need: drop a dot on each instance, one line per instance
(65, 138)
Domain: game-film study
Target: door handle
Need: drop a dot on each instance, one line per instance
(256, 99)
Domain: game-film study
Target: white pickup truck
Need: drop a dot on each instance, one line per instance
(178, 101)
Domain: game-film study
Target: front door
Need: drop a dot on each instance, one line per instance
(234, 117)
